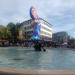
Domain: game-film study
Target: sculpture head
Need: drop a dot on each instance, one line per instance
(33, 13)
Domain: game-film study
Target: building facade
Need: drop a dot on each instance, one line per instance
(60, 38)
(27, 27)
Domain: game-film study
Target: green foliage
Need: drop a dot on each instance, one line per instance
(4, 33)
(10, 32)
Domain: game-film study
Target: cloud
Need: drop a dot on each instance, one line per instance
(60, 13)
(65, 27)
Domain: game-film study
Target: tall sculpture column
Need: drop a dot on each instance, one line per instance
(37, 26)
(36, 30)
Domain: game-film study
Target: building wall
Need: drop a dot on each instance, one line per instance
(28, 26)
(60, 37)
(46, 31)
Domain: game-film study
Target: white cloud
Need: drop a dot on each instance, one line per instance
(46, 8)
(66, 27)
(58, 12)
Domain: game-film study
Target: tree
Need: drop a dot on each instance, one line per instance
(17, 30)
(4, 33)
(71, 42)
(12, 29)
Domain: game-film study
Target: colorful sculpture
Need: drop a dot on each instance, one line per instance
(37, 26)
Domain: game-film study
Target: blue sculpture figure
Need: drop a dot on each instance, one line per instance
(35, 18)
(36, 31)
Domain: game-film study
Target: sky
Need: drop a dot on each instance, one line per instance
(60, 13)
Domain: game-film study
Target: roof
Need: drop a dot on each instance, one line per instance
(46, 22)
(31, 20)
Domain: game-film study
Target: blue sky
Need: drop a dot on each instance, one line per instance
(60, 13)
